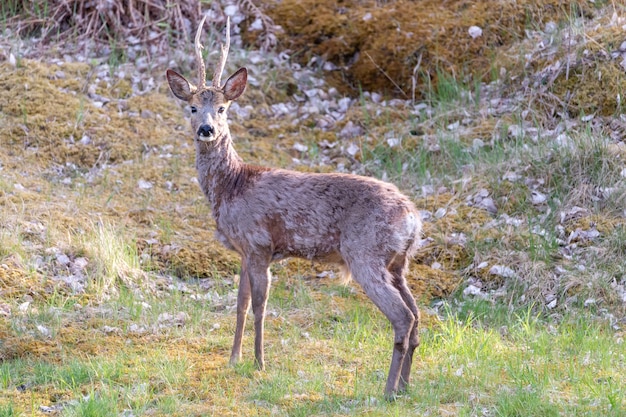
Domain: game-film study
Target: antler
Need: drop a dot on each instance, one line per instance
(219, 68)
(199, 60)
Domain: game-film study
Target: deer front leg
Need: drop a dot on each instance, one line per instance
(243, 304)
(258, 273)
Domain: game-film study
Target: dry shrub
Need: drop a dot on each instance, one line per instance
(105, 20)
(379, 46)
(124, 22)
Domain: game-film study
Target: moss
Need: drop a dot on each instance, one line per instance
(602, 223)
(592, 86)
(378, 46)
(15, 283)
(426, 282)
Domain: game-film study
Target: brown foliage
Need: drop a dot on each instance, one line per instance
(378, 45)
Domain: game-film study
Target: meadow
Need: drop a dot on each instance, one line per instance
(116, 299)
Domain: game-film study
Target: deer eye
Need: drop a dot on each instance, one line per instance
(222, 109)
(193, 109)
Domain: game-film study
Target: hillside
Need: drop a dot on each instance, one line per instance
(115, 296)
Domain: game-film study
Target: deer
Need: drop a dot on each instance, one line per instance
(366, 226)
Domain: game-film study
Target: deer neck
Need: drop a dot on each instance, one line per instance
(221, 172)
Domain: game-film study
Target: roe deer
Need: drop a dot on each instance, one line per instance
(365, 225)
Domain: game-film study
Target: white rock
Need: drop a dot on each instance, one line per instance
(111, 330)
(511, 176)
(231, 10)
(550, 27)
(515, 131)
(475, 32)
(344, 104)
(300, 147)
(502, 271)
(453, 126)
(329, 66)
(144, 185)
(472, 290)
(45, 332)
(393, 142)
(63, 259)
(79, 264)
(256, 25)
(538, 198)
(352, 149)
(488, 204)
(478, 144)
(590, 302)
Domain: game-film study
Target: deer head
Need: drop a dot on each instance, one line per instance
(209, 104)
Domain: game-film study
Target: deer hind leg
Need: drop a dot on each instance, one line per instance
(259, 277)
(397, 267)
(376, 281)
(243, 304)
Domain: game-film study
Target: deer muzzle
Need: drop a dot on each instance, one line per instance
(206, 133)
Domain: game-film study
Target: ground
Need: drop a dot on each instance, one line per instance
(115, 296)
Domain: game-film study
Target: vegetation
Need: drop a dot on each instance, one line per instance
(115, 299)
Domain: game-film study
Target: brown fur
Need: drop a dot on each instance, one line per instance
(365, 225)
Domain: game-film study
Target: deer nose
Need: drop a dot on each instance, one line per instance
(206, 131)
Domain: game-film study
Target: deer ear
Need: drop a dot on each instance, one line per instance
(179, 85)
(236, 84)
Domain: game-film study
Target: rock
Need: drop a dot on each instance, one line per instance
(502, 271)
(488, 204)
(475, 32)
(472, 290)
(352, 149)
(350, 130)
(538, 198)
(144, 185)
(300, 147)
(63, 259)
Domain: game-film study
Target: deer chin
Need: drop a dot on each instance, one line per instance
(206, 138)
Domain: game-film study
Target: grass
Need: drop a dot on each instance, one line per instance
(494, 362)
(150, 330)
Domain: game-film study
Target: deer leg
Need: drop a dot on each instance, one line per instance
(397, 268)
(243, 304)
(414, 339)
(377, 284)
(258, 273)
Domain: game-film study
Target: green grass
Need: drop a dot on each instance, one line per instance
(480, 358)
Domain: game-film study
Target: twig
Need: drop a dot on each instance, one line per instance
(387, 75)
(414, 79)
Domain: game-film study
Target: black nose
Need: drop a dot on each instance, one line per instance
(206, 130)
